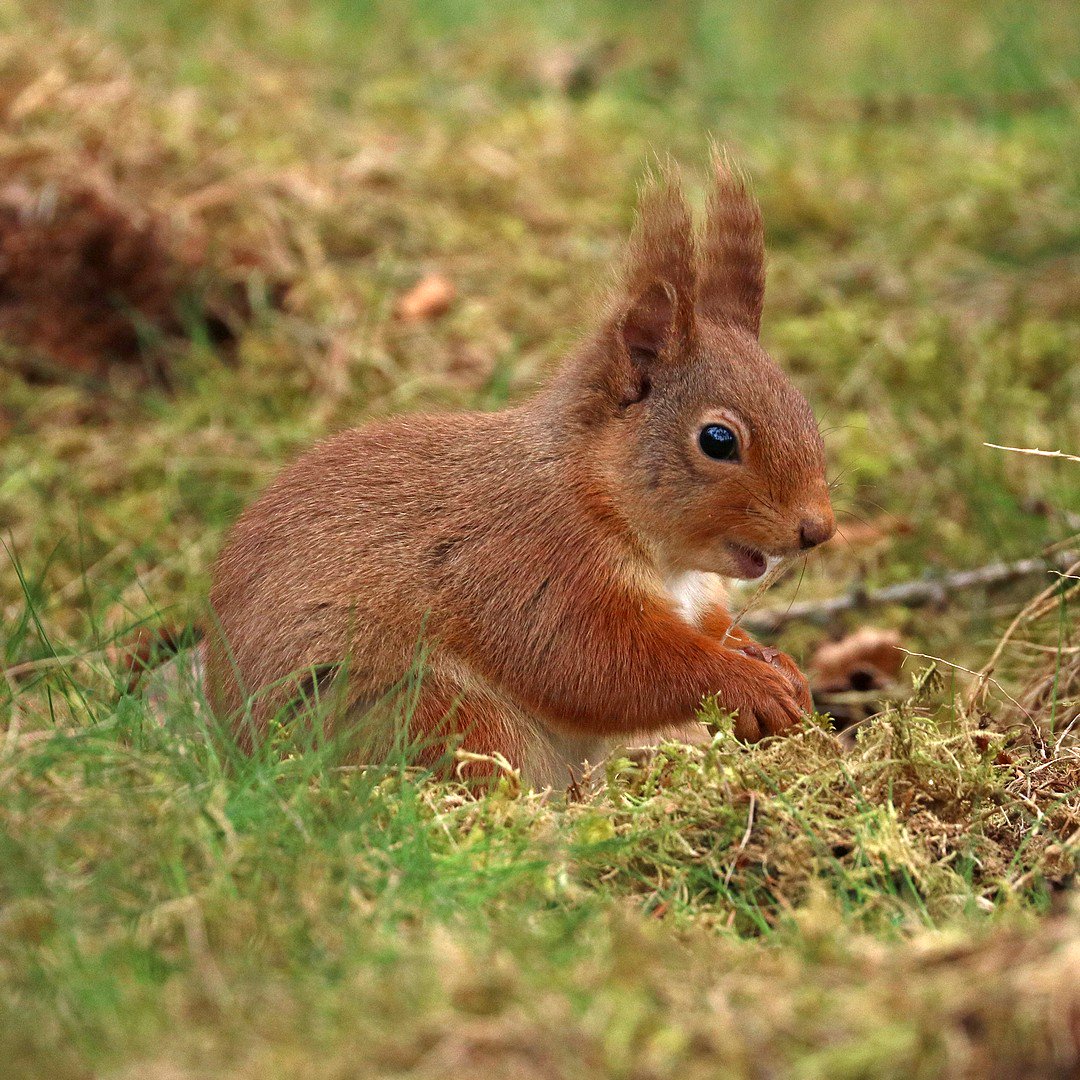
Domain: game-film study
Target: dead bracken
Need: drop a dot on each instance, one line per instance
(87, 282)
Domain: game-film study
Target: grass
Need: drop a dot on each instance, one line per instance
(170, 907)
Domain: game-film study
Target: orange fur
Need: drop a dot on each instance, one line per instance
(529, 548)
(445, 719)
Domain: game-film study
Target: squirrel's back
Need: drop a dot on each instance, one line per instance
(380, 535)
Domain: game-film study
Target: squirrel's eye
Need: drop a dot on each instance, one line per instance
(719, 443)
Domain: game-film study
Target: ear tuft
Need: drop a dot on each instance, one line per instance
(660, 279)
(731, 285)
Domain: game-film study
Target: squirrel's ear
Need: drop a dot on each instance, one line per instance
(656, 316)
(647, 326)
(731, 285)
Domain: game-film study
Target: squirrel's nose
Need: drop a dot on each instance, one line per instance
(815, 530)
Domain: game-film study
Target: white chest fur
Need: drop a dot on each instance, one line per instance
(693, 593)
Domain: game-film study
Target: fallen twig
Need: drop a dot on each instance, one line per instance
(918, 593)
(1036, 453)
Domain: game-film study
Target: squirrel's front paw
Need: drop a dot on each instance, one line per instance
(787, 667)
(766, 701)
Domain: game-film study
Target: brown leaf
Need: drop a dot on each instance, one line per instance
(868, 659)
(429, 298)
(90, 280)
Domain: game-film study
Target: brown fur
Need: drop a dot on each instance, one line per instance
(732, 286)
(531, 550)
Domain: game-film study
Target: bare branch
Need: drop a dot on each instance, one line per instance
(1037, 453)
(920, 593)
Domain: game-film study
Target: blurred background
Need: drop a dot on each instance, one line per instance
(228, 228)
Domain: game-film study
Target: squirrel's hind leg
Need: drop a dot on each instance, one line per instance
(465, 734)
(463, 730)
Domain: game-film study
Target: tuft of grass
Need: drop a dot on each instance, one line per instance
(171, 903)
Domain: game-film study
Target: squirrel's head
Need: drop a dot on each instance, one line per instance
(711, 451)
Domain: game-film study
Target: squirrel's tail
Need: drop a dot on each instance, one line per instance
(149, 647)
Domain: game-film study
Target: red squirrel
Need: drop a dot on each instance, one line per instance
(561, 560)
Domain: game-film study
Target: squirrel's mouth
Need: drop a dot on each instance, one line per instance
(749, 562)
